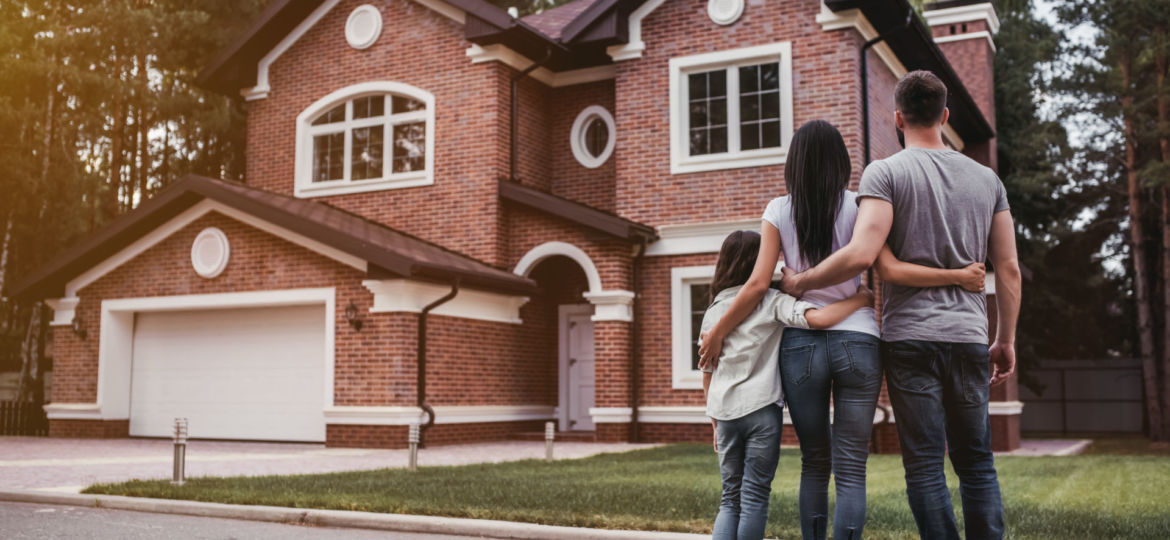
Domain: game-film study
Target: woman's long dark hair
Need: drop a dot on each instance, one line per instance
(816, 173)
(737, 258)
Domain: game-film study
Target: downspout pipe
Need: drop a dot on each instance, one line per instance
(635, 342)
(865, 99)
(421, 389)
(512, 150)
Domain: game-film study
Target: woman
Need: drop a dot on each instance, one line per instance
(813, 220)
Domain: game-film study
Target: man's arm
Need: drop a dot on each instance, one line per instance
(874, 219)
(1001, 250)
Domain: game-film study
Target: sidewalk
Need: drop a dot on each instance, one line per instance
(69, 465)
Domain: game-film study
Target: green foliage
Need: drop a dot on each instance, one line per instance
(676, 488)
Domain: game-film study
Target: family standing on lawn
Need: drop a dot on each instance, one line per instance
(926, 218)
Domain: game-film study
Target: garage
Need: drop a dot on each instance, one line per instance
(241, 373)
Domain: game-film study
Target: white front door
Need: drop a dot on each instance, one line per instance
(248, 373)
(576, 368)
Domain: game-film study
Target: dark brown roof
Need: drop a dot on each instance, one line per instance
(576, 212)
(390, 253)
(551, 22)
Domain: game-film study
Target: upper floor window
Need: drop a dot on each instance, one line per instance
(731, 109)
(366, 137)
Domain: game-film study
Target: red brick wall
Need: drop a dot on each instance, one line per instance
(424, 49)
(973, 61)
(824, 83)
(572, 180)
(368, 436)
(883, 131)
(89, 429)
(655, 345)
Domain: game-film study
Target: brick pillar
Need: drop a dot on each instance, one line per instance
(1005, 406)
(963, 31)
(612, 398)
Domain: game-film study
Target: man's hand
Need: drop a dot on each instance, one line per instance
(790, 282)
(715, 435)
(971, 278)
(709, 351)
(1003, 362)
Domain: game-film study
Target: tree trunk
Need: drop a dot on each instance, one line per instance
(116, 134)
(143, 157)
(1160, 64)
(30, 351)
(1137, 244)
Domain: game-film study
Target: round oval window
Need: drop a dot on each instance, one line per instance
(592, 136)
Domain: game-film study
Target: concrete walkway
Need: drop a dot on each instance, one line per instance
(1049, 447)
(69, 465)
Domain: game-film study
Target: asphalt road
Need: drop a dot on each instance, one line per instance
(21, 521)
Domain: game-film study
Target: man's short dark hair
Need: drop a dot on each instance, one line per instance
(922, 97)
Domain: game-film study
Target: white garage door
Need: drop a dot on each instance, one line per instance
(255, 374)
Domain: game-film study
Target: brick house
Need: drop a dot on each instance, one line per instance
(568, 177)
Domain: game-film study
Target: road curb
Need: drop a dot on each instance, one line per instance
(342, 518)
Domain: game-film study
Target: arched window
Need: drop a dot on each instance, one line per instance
(366, 137)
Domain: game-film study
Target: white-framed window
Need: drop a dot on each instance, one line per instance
(593, 136)
(366, 137)
(690, 289)
(731, 109)
(690, 293)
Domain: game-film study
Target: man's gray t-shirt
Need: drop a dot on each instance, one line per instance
(943, 205)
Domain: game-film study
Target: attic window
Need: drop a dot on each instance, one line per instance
(378, 136)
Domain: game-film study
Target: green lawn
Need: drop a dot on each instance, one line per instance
(676, 488)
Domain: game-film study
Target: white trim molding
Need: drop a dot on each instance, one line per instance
(177, 223)
(855, 19)
(303, 174)
(74, 411)
(634, 46)
(692, 238)
(579, 130)
(63, 310)
(612, 415)
(982, 34)
(262, 88)
(1005, 408)
(973, 12)
(615, 305)
(681, 161)
(402, 295)
(555, 79)
(550, 249)
(444, 414)
(115, 348)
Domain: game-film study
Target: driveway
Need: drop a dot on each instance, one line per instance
(69, 465)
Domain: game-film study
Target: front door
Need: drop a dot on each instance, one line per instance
(576, 368)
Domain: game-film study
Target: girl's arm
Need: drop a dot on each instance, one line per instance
(747, 298)
(916, 275)
(832, 314)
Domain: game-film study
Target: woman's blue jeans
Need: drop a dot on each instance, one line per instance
(749, 448)
(847, 365)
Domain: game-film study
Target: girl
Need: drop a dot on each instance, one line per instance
(815, 219)
(743, 393)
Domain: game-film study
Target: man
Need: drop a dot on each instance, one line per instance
(936, 207)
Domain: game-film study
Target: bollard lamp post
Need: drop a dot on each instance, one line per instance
(412, 438)
(180, 473)
(550, 433)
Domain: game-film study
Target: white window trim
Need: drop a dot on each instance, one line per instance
(680, 161)
(577, 136)
(305, 187)
(681, 279)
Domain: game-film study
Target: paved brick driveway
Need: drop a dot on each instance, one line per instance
(69, 465)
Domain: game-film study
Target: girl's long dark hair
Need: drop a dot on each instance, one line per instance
(737, 258)
(816, 173)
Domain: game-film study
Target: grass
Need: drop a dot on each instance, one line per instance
(676, 488)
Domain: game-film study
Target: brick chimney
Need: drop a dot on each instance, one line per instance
(963, 29)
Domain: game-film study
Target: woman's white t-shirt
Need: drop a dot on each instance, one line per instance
(779, 214)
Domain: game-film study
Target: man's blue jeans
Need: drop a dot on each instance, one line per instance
(815, 364)
(749, 448)
(940, 392)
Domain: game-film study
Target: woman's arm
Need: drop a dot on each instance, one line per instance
(916, 275)
(832, 314)
(747, 298)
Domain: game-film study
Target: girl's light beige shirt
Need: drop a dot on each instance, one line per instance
(748, 375)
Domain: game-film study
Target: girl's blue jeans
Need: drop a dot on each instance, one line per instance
(749, 448)
(846, 365)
